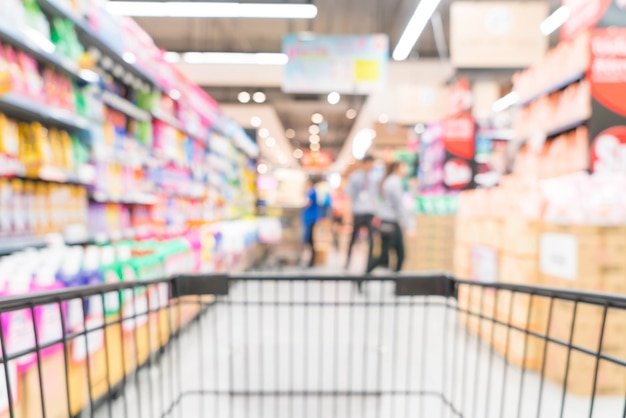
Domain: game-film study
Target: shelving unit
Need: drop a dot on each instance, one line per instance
(566, 82)
(22, 38)
(152, 174)
(27, 109)
(90, 39)
(126, 107)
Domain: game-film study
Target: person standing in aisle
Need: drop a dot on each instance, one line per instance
(362, 189)
(393, 217)
(311, 214)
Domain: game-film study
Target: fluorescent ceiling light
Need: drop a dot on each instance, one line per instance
(333, 98)
(317, 118)
(234, 58)
(264, 133)
(297, 153)
(414, 28)
(362, 142)
(555, 20)
(505, 102)
(172, 57)
(214, 10)
(259, 97)
(243, 97)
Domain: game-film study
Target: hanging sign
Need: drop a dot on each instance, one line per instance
(345, 64)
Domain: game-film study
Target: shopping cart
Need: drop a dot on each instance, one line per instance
(276, 346)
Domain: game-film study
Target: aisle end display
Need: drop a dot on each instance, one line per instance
(559, 220)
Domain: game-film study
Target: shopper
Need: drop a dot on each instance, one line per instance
(362, 189)
(311, 214)
(393, 217)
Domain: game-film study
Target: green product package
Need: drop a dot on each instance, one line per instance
(144, 133)
(110, 273)
(63, 36)
(437, 205)
(35, 18)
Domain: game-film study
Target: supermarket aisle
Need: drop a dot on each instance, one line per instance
(355, 354)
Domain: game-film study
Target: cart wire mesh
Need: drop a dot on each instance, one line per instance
(256, 345)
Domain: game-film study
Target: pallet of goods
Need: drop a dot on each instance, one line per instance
(560, 219)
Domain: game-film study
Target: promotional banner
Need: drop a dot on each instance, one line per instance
(316, 161)
(345, 64)
(459, 138)
(607, 76)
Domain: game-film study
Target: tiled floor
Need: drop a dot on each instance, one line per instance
(321, 349)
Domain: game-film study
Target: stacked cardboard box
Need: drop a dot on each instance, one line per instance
(432, 248)
(584, 257)
(589, 258)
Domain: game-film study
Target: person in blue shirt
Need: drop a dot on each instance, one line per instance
(311, 214)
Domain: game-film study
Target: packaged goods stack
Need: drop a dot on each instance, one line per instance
(108, 168)
(432, 247)
(446, 167)
(560, 218)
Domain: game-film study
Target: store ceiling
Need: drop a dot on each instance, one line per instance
(335, 17)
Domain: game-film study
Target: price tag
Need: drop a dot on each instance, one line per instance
(558, 255)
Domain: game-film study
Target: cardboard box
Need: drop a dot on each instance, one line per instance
(462, 261)
(518, 270)
(584, 257)
(588, 325)
(611, 378)
(520, 237)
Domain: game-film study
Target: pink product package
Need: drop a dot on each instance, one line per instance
(49, 324)
(19, 336)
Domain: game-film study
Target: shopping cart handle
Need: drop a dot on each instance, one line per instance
(200, 284)
(429, 284)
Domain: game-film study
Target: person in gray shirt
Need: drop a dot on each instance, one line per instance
(362, 190)
(393, 217)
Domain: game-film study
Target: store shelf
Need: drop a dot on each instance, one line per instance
(54, 8)
(28, 109)
(13, 245)
(176, 124)
(26, 39)
(568, 127)
(136, 199)
(126, 107)
(553, 89)
(170, 120)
